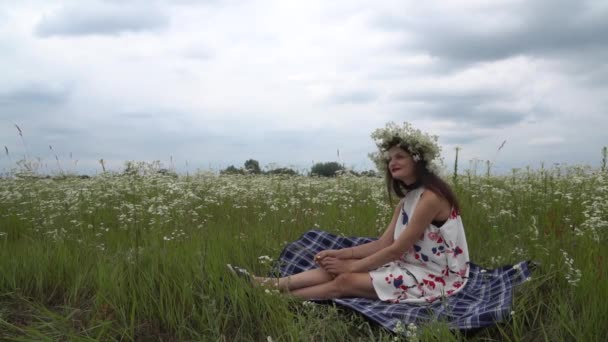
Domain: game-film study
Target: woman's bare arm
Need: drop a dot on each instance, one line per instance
(367, 249)
(426, 210)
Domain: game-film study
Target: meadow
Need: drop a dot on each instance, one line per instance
(142, 256)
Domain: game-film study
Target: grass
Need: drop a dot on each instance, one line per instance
(142, 257)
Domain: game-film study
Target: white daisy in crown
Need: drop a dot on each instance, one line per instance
(422, 146)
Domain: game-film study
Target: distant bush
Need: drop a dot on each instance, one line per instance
(329, 169)
(252, 166)
(282, 171)
(368, 173)
(232, 170)
(143, 168)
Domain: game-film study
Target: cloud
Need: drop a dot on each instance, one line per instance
(468, 112)
(478, 108)
(33, 102)
(361, 96)
(35, 94)
(461, 138)
(469, 35)
(102, 18)
(546, 141)
(220, 82)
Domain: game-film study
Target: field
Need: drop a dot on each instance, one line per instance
(142, 256)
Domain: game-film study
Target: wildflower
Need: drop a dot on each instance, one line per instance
(412, 332)
(271, 292)
(573, 276)
(399, 328)
(264, 259)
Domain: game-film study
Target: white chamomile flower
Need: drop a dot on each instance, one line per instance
(422, 146)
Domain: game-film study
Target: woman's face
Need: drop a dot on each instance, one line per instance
(401, 164)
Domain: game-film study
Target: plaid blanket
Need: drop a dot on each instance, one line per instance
(485, 299)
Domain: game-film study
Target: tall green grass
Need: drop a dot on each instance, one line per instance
(142, 257)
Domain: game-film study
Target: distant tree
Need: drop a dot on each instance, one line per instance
(231, 170)
(282, 171)
(368, 173)
(252, 166)
(329, 169)
(167, 172)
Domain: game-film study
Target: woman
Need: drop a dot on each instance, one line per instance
(421, 257)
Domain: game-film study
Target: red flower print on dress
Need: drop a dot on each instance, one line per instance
(433, 236)
(431, 299)
(457, 284)
(437, 279)
(429, 283)
(397, 282)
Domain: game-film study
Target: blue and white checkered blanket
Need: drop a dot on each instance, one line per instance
(485, 299)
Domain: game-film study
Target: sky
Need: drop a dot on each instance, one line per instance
(200, 85)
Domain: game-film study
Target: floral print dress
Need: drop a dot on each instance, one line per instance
(437, 265)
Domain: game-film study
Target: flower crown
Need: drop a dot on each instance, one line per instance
(422, 146)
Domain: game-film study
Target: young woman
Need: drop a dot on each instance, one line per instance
(421, 257)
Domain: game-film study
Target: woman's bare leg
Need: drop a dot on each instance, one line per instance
(345, 285)
(297, 281)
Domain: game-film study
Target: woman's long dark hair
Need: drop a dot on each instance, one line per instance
(427, 179)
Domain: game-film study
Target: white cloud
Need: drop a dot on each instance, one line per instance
(546, 141)
(102, 18)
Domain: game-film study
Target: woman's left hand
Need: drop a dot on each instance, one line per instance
(337, 266)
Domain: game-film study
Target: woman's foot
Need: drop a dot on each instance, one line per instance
(241, 273)
(271, 283)
(265, 282)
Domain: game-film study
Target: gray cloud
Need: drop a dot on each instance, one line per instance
(480, 108)
(198, 53)
(354, 97)
(33, 102)
(539, 28)
(34, 94)
(102, 19)
(461, 138)
(476, 116)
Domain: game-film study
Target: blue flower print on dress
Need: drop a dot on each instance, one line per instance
(405, 218)
(438, 250)
(419, 256)
(396, 281)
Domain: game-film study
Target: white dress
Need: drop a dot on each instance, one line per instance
(437, 265)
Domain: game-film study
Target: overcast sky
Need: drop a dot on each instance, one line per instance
(213, 83)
